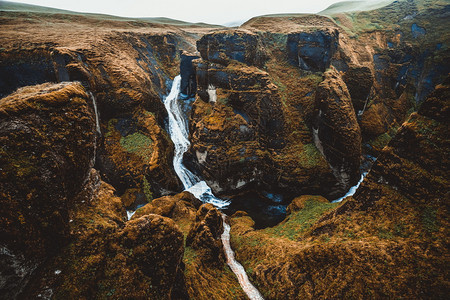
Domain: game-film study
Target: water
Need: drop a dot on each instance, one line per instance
(179, 135)
(352, 190)
(236, 267)
(265, 209)
(97, 120)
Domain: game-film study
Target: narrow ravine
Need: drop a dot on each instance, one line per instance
(192, 183)
(236, 267)
(180, 137)
(352, 189)
(97, 119)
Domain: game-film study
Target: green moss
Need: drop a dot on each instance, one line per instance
(298, 222)
(223, 101)
(137, 143)
(146, 189)
(380, 141)
(310, 156)
(190, 256)
(385, 234)
(111, 127)
(429, 219)
(19, 164)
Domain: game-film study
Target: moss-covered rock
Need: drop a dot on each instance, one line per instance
(178, 207)
(137, 154)
(106, 255)
(338, 135)
(48, 140)
(388, 240)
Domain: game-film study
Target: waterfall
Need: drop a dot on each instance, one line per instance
(180, 137)
(97, 120)
(352, 190)
(179, 134)
(236, 267)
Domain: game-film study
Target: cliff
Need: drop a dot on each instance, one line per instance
(388, 240)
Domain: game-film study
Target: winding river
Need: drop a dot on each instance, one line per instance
(179, 134)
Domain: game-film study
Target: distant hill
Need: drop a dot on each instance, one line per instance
(350, 6)
(21, 7)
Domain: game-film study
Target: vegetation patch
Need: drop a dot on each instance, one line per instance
(146, 189)
(310, 156)
(429, 219)
(137, 143)
(298, 222)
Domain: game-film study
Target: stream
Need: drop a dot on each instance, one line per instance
(180, 137)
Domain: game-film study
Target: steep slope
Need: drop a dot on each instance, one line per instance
(126, 66)
(286, 106)
(89, 95)
(388, 241)
(385, 63)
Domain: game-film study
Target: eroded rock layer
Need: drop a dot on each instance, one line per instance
(387, 241)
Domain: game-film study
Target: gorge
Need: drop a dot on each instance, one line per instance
(137, 154)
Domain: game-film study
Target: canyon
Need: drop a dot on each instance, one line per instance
(158, 159)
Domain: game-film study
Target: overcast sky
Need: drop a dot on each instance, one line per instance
(209, 11)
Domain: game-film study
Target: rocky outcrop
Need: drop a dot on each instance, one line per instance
(57, 210)
(239, 104)
(359, 81)
(48, 139)
(35, 66)
(388, 240)
(105, 252)
(181, 206)
(238, 45)
(414, 163)
(188, 86)
(136, 157)
(312, 51)
(207, 275)
(205, 233)
(136, 151)
(337, 133)
(236, 106)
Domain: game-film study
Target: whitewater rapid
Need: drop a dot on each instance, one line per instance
(180, 137)
(236, 267)
(352, 190)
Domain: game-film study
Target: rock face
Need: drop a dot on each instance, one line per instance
(314, 50)
(337, 134)
(105, 252)
(237, 106)
(48, 138)
(241, 46)
(134, 153)
(182, 205)
(387, 241)
(359, 81)
(205, 233)
(242, 132)
(207, 275)
(188, 82)
(57, 209)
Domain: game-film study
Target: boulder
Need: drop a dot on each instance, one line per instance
(312, 51)
(336, 132)
(182, 205)
(239, 45)
(205, 233)
(48, 142)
